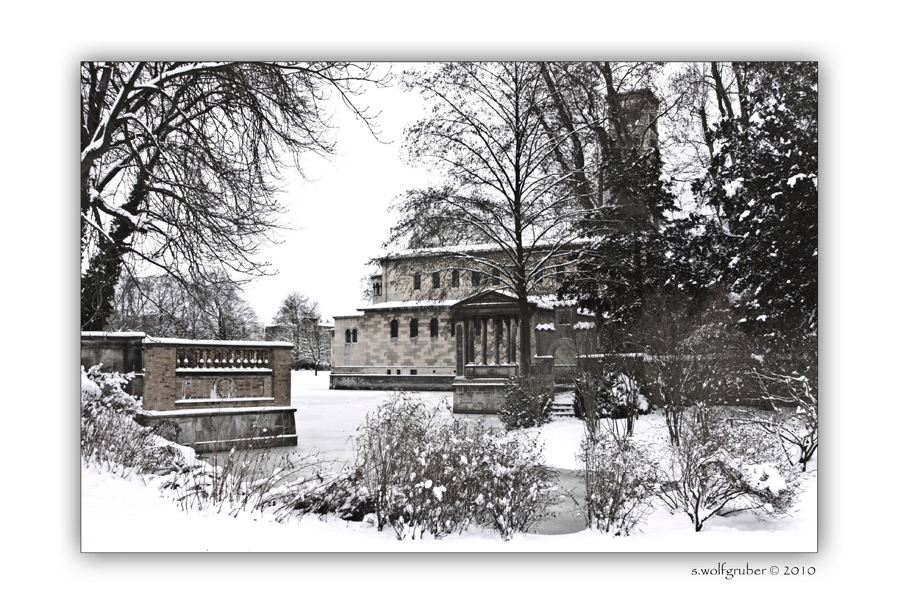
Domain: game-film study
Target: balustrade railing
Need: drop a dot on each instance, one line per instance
(187, 357)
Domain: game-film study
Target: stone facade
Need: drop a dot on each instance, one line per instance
(406, 339)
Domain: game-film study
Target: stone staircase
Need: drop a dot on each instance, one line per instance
(563, 401)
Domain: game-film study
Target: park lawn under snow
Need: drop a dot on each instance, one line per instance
(130, 514)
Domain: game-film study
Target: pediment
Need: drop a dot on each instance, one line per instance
(488, 300)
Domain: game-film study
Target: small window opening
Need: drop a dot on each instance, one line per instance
(433, 325)
(476, 278)
(435, 280)
(414, 327)
(347, 336)
(353, 336)
(417, 281)
(454, 279)
(413, 372)
(395, 328)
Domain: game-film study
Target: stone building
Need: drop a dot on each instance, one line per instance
(422, 301)
(406, 338)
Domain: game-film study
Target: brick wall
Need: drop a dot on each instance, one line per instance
(169, 385)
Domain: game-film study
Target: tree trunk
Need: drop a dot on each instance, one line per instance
(524, 338)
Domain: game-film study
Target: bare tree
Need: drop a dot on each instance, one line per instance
(484, 135)
(180, 163)
(161, 306)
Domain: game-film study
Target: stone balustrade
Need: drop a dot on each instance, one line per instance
(221, 357)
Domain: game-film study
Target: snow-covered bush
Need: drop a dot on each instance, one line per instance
(423, 475)
(793, 414)
(109, 435)
(516, 487)
(620, 478)
(721, 466)
(526, 402)
(244, 479)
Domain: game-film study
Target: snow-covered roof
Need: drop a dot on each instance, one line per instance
(410, 304)
(104, 334)
(472, 249)
(174, 340)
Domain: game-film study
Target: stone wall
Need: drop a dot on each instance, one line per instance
(213, 394)
(383, 382)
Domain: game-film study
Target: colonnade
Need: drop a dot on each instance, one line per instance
(505, 346)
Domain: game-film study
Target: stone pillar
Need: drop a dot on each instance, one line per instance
(514, 340)
(509, 342)
(484, 322)
(470, 345)
(460, 348)
(498, 332)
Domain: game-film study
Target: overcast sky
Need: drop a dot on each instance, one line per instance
(341, 217)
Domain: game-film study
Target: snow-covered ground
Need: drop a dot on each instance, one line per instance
(127, 515)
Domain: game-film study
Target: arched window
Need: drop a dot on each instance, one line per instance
(433, 325)
(435, 280)
(454, 278)
(377, 289)
(395, 328)
(347, 336)
(414, 327)
(353, 336)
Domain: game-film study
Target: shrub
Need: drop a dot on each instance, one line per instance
(516, 487)
(423, 475)
(794, 414)
(109, 435)
(620, 479)
(244, 479)
(719, 466)
(526, 402)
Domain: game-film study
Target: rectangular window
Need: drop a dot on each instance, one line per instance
(417, 281)
(454, 279)
(435, 280)
(413, 372)
(476, 278)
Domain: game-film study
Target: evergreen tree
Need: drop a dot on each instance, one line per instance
(766, 195)
(627, 260)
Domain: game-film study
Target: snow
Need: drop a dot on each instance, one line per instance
(128, 515)
(732, 187)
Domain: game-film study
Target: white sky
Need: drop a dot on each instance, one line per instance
(341, 217)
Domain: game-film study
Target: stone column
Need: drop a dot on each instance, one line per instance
(469, 342)
(484, 340)
(460, 349)
(509, 342)
(498, 331)
(514, 340)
